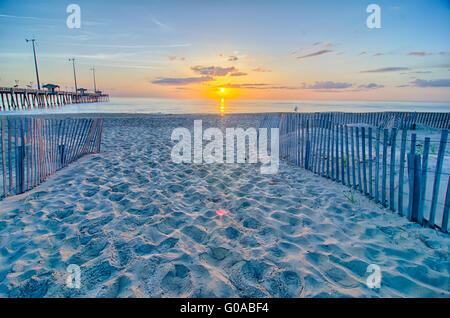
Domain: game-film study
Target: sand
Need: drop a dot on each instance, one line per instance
(139, 225)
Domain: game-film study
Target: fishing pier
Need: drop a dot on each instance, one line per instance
(13, 99)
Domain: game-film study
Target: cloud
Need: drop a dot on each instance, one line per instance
(248, 85)
(327, 85)
(175, 58)
(387, 69)
(418, 53)
(432, 83)
(261, 69)
(314, 54)
(213, 70)
(232, 58)
(378, 54)
(162, 25)
(371, 86)
(84, 22)
(320, 43)
(362, 53)
(181, 80)
(24, 17)
(238, 74)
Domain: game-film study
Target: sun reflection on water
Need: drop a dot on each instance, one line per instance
(222, 106)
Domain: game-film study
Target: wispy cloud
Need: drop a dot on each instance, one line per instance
(261, 69)
(431, 83)
(181, 80)
(8, 16)
(387, 69)
(362, 53)
(311, 46)
(249, 85)
(19, 17)
(144, 46)
(321, 52)
(371, 86)
(238, 74)
(378, 54)
(213, 70)
(161, 25)
(176, 58)
(327, 85)
(418, 53)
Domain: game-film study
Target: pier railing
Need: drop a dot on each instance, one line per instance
(386, 162)
(13, 99)
(33, 148)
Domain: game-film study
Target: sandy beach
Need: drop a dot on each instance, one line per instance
(139, 225)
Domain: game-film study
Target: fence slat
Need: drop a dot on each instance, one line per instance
(411, 155)
(437, 178)
(423, 179)
(353, 161)
(358, 159)
(364, 164)
(341, 130)
(402, 171)
(384, 168)
(445, 216)
(392, 170)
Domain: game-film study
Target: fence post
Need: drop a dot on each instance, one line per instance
(21, 158)
(402, 171)
(377, 167)
(364, 164)
(384, 183)
(358, 162)
(392, 169)
(411, 155)
(423, 185)
(341, 131)
(328, 148)
(370, 158)
(3, 153)
(332, 152)
(445, 216)
(308, 145)
(347, 155)
(337, 151)
(415, 179)
(437, 177)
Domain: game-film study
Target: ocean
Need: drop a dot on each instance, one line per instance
(180, 106)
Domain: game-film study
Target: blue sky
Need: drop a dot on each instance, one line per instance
(255, 49)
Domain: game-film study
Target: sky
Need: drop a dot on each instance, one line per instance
(305, 50)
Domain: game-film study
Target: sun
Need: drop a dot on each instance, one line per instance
(222, 89)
